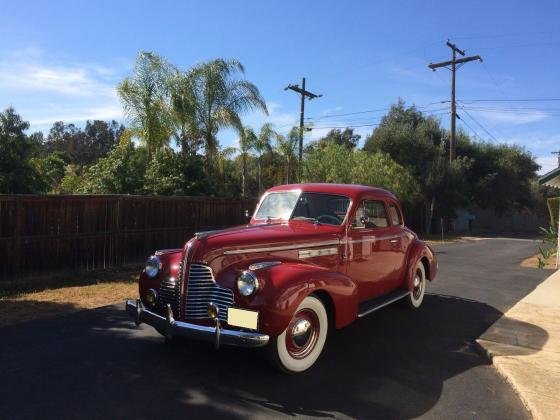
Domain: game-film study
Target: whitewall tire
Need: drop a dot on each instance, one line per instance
(301, 343)
(416, 294)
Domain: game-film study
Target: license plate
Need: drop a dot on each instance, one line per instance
(243, 318)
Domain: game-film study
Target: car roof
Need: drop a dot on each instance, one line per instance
(353, 191)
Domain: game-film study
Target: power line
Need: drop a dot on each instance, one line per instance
(479, 124)
(470, 128)
(511, 100)
(370, 111)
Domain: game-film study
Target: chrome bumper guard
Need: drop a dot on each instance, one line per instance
(172, 328)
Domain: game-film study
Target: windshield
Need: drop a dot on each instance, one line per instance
(314, 207)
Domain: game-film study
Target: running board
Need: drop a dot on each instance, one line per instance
(374, 304)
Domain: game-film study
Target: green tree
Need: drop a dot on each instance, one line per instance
(501, 176)
(262, 147)
(145, 99)
(344, 137)
(417, 143)
(120, 172)
(164, 175)
(17, 174)
(339, 164)
(52, 169)
(286, 147)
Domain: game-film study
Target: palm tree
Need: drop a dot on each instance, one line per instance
(218, 100)
(286, 147)
(144, 97)
(247, 141)
(182, 91)
(222, 157)
(262, 146)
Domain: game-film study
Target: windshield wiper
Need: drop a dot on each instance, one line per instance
(308, 219)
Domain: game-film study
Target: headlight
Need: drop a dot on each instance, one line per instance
(247, 283)
(153, 266)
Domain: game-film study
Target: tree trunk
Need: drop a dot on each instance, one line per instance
(430, 215)
(244, 175)
(259, 175)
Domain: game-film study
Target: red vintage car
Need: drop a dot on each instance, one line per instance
(313, 256)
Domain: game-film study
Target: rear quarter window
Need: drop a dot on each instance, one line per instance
(395, 215)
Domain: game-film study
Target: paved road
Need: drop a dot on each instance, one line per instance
(392, 364)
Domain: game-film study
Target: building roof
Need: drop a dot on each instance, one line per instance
(552, 179)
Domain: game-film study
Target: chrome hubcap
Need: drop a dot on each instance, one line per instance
(417, 284)
(302, 334)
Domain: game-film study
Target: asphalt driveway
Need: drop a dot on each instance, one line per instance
(392, 364)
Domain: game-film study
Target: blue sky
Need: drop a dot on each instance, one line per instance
(62, 60)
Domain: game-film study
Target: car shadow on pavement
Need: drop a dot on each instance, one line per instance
(392, 364)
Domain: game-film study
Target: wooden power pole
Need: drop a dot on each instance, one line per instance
(304, 94)
(453, 63)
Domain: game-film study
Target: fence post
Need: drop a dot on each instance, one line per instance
(18, 230)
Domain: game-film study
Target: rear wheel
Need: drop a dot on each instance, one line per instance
(301, 343)
(416, 295)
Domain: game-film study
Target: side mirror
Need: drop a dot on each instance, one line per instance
(364, 220)
(247, 215)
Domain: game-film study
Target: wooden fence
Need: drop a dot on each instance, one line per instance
(40, 234)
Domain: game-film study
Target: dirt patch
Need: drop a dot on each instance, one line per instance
(533, 262)
(17, 307)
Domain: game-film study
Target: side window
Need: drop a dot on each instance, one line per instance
(370, 214)
(395, 215)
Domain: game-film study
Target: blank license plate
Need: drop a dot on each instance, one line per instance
(243, 318)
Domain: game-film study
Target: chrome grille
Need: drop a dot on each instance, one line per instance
(201, 290)
(170, 293)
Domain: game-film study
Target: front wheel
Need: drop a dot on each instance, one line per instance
(302, 342)
(416, 295)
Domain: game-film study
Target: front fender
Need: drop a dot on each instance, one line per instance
(283, 287)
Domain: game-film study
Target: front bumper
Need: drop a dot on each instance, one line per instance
(168, 326)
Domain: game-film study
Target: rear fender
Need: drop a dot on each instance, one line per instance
(419, 251)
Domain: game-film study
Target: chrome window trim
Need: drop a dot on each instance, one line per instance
(342, 223)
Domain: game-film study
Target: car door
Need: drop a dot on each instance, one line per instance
(370, 260)
(400, 241)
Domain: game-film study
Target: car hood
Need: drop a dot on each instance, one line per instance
(257, 238)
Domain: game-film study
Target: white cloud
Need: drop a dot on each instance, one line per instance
(29, 75)
(505, 116)
(548, 163)
(109, 112)
(45, 88)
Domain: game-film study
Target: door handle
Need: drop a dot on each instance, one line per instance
(394, 241)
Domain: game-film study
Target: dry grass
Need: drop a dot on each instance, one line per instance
(23, 305)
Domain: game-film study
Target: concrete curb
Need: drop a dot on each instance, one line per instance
(524, 347)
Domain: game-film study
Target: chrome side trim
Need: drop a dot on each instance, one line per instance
(170, 327)
(263, 264)
(374, 238)
(310, 253)
(281, 248)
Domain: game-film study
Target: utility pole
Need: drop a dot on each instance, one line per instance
(453, 63)
(557, 153)
(304, 94)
